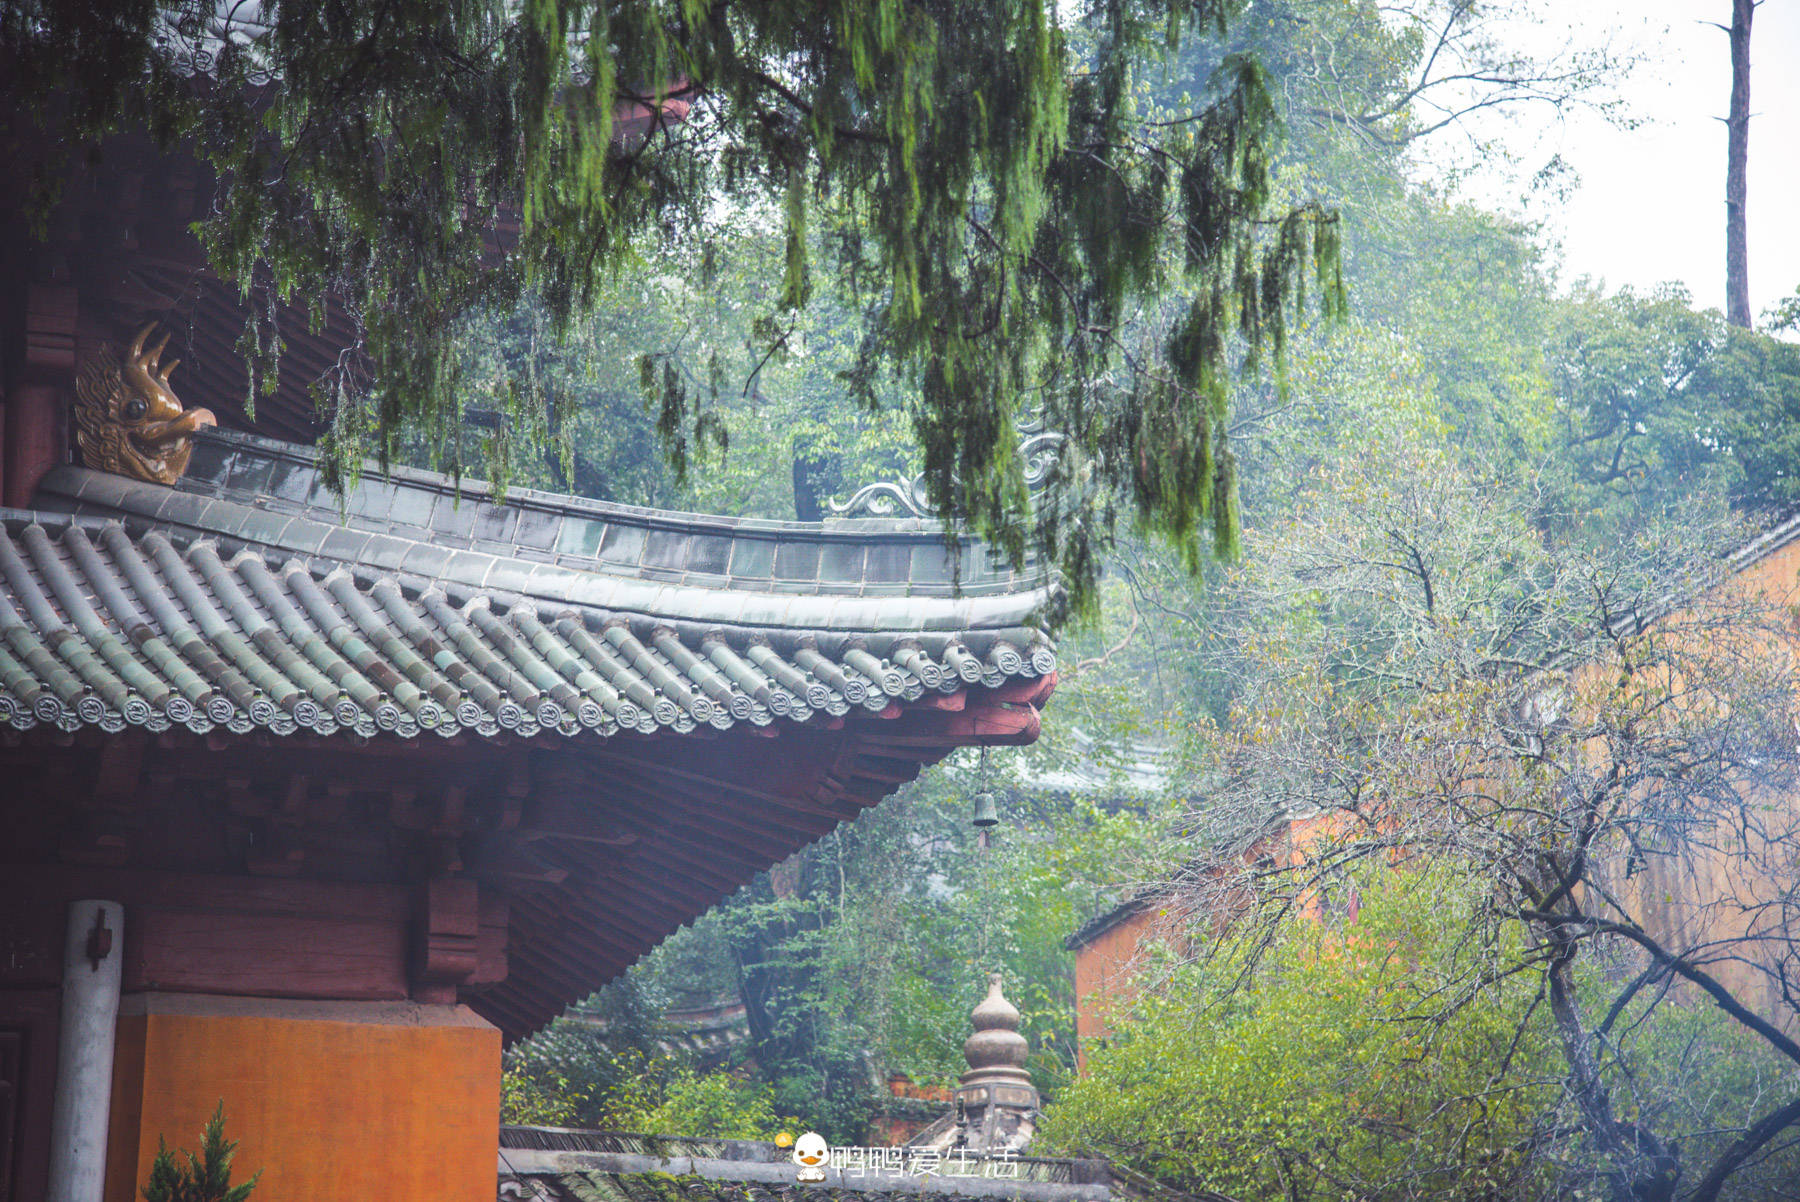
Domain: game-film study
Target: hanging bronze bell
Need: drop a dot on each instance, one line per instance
(986, 812)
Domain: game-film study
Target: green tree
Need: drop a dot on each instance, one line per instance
(1379, 1058)
(709, 1105)
(588, 1070)
(1663, 407)
(995, 206)
(702, 318)
(198, 1177)
(576, 1074)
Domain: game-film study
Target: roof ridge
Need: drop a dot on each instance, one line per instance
(475, 490)
(836, 595)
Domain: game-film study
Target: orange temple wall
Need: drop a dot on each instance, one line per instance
(328, 1099)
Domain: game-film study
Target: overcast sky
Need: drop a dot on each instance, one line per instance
(1651, 204)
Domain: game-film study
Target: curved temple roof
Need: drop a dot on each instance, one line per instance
(300, 662)
(244, 598)
(226, 696)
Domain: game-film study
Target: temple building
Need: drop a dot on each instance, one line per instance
(1691, 898)
(311, 805)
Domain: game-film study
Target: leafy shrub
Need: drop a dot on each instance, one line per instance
(1348, 1060)
(185, 1177)
(710, 1105)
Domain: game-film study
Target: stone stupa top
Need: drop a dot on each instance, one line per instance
(996, 1041)
(996, 1103)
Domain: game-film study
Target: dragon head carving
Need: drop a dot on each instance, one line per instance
(128, 421)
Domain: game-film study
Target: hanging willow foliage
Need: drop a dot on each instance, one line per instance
(1006, 216)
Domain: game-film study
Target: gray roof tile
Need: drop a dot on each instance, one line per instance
(326, 643)
(245, 598)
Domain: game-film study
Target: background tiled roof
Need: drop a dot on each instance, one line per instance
(579, 1166)
(550, 1165)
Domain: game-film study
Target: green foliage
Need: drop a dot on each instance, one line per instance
(577, 1075)
(202, 1177)
(1466, 293)
(711, 1105)
(1374, 1058)
(993, 209)
(700, 320)
(590, 1070)
(574, 1075)
(545, 1099)
(1662, 406)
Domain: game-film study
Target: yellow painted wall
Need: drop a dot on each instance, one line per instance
(1718, 889)
(1108, 965)
(1709, 894)
(330, 1100)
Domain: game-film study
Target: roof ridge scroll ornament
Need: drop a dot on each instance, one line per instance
(1040, 448)
(128, 421)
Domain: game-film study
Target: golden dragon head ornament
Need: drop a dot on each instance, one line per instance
(127, 419)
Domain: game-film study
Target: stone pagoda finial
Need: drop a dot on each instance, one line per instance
(996, 1043)
(996, 1100)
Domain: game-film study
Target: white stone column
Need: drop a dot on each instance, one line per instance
(92, 954)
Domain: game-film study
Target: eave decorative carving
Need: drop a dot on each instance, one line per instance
(128, 420)
(1040, 448)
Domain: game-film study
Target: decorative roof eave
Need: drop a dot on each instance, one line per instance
(102, 628)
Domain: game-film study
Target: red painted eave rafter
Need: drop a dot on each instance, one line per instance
(732, 804)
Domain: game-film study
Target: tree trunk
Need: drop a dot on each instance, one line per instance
(1737, 155)
(1643, 1168)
